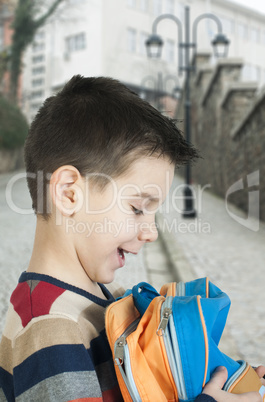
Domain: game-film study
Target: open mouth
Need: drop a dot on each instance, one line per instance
(121, 256)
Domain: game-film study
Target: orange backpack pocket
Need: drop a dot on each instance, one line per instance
(139, 354)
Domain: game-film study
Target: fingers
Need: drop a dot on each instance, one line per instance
(218, 377)
(216, 383)
(260, 371)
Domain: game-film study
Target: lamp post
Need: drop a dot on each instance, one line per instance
(160, 86)
(177, 89)
(157, 84)
(154, 48)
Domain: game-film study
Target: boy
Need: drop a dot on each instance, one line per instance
(98, 160)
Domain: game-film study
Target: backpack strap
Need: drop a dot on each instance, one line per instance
(169, 289)
(143, 293)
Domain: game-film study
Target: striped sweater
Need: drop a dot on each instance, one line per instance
(54, 346)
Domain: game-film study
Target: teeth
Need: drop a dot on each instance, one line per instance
(120, 252)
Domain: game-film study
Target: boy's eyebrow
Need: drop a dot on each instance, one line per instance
(146, 195)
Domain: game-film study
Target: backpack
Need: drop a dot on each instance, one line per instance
(165, 345)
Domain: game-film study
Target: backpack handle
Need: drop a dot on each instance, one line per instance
(168, 289)
(143, 293)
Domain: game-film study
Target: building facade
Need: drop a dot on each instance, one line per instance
(107, 37)
(6, 18)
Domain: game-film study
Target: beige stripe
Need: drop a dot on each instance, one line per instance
(6, 355)
(43, 332)
(70, 304)
(13, 323)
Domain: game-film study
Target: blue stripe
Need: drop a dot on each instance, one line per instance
(100, 349)
(26, 276)
(49, 362)
(6, 383)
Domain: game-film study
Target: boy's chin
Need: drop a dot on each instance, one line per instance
(108, 278)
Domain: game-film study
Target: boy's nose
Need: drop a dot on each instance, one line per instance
(148, 232)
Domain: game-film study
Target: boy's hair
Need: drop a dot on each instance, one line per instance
(99, 126)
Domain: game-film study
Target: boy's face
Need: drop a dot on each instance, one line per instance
(121, 218)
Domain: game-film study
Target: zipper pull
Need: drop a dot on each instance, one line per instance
(119, 351)
(163, 323)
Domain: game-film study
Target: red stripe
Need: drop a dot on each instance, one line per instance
(35, 304)
(112, 395)
(21, 302)
(87, 400)
(43, 297)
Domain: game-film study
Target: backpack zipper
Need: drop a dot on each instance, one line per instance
(121, 342)
(235, 376)
(180, 289)
(167, 330)
(122, 361)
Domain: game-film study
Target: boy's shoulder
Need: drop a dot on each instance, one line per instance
(38, 297)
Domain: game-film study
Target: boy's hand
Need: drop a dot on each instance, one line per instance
(261, 373)
(216, 383)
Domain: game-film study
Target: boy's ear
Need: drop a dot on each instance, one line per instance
(66, 190)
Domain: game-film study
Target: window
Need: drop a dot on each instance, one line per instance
(242, 30)
(169, 7)
(157, 7)
(39, 36)
(254, 35)
(170, 51)
(38, 70)
(37, 82)
(143, 37)
(38, 59)
(131, 40)
(144, 5)
(36, 94)
(38, 47)
(228, 25)
(76, 42)
(211, 28)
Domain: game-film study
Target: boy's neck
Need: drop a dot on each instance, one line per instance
(53, 255)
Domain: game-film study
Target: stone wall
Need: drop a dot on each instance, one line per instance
(228, 128)
(11, 160)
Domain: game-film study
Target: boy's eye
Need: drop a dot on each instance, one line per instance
(137, 211)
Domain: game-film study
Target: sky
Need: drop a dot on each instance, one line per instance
(258, 5)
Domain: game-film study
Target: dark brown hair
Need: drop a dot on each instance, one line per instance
(97, 125)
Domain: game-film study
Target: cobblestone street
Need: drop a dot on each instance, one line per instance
(232, 256)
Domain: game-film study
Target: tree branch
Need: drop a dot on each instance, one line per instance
(39, 22)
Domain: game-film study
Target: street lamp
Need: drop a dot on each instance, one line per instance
(154, 48)
(157, 87)
(160, 86)
(176, 91)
